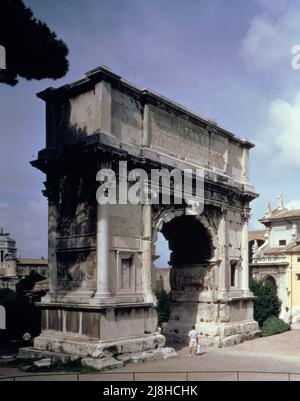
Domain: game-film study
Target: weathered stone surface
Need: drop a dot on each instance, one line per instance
(32, 353)
(251, 336)
(80, 347)
(208, 329)
(72, 322)
(160, 340)
(155, 355)
(43, 363)
(232, 340)
(249, 327)
(230, 330)
(100, 353)
(168, 352)
(91, 324)
(102, 364)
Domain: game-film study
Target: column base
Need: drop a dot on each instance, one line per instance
(101, 298)
(99, 355)
(78, 297)
(104, 336)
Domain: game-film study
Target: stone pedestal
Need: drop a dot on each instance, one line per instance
(94, 332)
(196, 301)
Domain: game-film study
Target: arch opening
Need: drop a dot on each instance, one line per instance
(189, 241)
(271, 280)
(192, 272)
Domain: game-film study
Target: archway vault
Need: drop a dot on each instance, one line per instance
(210, 221)
(189, 241)
(194, 268)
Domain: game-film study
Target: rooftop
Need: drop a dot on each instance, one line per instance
(257, 235)
(281, 214)
(32, 262)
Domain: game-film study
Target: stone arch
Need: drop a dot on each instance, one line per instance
(260, 243)
(167, 215)
(271, 280)
(192, 274)
(163, 217)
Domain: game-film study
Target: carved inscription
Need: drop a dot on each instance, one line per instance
(184, 139)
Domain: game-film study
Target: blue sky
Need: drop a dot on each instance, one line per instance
(228, 60)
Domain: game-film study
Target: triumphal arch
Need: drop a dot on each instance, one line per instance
(101, 256)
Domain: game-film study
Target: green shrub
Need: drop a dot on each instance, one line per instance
(266, 303)
(21, 314)
(273, 326)
(163, 306)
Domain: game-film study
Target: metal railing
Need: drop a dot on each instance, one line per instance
(235, 376)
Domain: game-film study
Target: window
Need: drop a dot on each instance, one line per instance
(282, 242)
(2, 257)
(234, 271)
(298, 277)
(298, 259)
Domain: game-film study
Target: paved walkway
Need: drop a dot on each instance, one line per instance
(273, 354)
(279, 354)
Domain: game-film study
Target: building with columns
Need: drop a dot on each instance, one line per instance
(14, 269)
(7, 247)
(101, 302)
(276, 259)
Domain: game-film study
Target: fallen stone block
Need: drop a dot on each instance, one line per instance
(232, 340)
(155, 355)
(31, 353)
(43, 363)
(100, 353)
(168, 352)
(251, 336)
(26, 368)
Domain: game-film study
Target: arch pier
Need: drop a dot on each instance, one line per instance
(101, 304)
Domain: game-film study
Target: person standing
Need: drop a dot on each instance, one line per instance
(193, 339)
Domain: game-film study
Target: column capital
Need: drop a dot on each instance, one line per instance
(246, 216)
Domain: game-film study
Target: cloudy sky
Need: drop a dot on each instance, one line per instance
(229, 60)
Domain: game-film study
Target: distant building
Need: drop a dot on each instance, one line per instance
(7, 247)
(162, 279)
(13, 269)
(275, 257)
